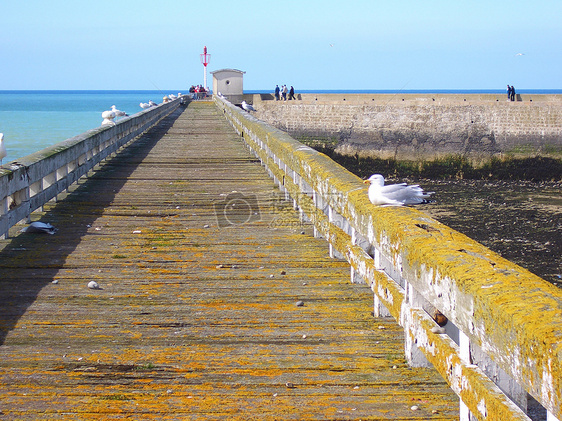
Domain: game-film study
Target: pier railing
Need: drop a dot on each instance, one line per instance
(503, 338)
(32, 181)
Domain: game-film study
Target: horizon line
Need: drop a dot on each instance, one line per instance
(268, 91)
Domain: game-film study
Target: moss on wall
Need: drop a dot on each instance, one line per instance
(537, 168)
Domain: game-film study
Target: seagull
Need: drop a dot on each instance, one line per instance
(3, 151)
(40, 227)
(394, 194)
(172, 97)
(118, 113)
(520, 54)
(152, 103)
(93, 285)
(108, 117)
(247, 106)
(144, 105)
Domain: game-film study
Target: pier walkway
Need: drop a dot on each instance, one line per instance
(196, 316)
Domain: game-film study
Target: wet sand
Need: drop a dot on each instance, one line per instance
(520, 220)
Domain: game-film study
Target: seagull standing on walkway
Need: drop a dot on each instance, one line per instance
(3, 151)
(394, 194)
(247, 106)
(40, 227)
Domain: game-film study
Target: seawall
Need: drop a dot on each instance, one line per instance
(422, 126)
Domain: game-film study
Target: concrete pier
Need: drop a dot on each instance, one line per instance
(196, 316)
(420, 127)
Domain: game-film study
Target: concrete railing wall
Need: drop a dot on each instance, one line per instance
(504, 332)
(32, 181)
(423, 126)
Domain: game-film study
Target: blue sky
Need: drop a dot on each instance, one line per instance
(310, 44)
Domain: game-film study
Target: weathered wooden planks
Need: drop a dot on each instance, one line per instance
(195, 319)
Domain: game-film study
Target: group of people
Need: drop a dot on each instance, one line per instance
(198, 92)
(510, 93)
(281, 93)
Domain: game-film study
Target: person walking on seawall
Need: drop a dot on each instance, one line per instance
(276, 92)
(284, 92)
(512, 93)
(508, 93)
(291, 93)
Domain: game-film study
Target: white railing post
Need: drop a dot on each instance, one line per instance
(551, 417)
(4, 211)
(358, 240)
(319, 204)
(379, 310)
(464, 351)
(414, 356)
(338, 220)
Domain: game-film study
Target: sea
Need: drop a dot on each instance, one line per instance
(34, 120)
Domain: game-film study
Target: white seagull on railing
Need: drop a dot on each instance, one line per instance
(108, 117)
(152, 103)
(144, 105)
(118, 113)
(3, 151)
(247, 106)
(394, 194)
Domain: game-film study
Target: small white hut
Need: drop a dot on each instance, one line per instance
(229, 82)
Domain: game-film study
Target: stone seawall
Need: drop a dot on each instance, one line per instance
(422, 126)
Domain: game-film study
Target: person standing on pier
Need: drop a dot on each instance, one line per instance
(276, 92)
(508, 93)
(512, 93)
(284, 91)
(291, 93)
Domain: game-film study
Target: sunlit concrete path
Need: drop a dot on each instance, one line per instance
(215, 302)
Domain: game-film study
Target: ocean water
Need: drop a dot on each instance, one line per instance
(34, 120)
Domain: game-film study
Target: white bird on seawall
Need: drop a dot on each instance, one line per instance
(247, 106)
(152, 103)
(118, 113)
(108, 117)
(3, 151)
(144, 105)
(394, 194)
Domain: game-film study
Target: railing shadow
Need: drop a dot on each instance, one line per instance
(30, 261)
